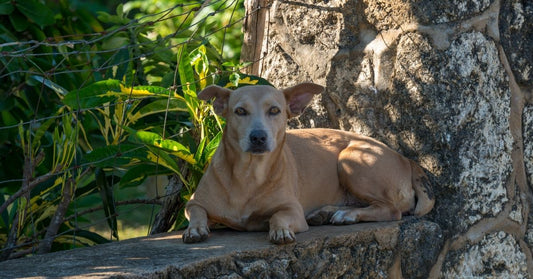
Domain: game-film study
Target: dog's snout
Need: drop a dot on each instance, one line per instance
(258, 137)
(258, 142)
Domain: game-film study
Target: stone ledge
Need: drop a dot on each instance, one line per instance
(369, 250)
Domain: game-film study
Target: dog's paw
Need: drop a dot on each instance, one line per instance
(195, 234)
(281, 236)
(344, 217)
(318, 217)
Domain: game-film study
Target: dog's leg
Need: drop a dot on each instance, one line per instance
(198, 229)
(369, 213)
(284, 223)
(345, 215)
(322, 216)
(378, 177)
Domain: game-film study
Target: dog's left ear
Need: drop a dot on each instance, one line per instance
(221, 96)
(299, 96)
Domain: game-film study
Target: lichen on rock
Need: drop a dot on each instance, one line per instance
(497, 255)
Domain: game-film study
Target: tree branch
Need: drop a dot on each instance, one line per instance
(58, 218)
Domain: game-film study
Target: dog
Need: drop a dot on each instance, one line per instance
(264, 178)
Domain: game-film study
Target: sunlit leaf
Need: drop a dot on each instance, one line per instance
(94, 95)
(229, 81)
(185, 70)
(172, 146)
(52, 85)
(102, 92)
(162, 158)
(159, 106)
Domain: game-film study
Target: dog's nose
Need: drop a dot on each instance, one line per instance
(258, 137)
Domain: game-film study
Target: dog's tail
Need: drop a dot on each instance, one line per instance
(425, 198)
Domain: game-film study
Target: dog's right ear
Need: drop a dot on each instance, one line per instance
(221, 96)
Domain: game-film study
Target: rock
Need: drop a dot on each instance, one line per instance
(528, 162)
(450, 107)
(498, 255)
(516, 31)
(386, 14)
(420, 243)
(528, 143)
(366, 250)
(437, 81)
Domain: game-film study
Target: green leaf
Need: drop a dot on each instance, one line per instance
(108, 201)
(91, 236)
(42, 130)
(105, 91)
(212, 146)
(88, 18)
(234, 79)
(228, 64)
(162, 158)
(150, 89)
(137, 174)
(186, 71)
(19, 21)
(6, 7)
(200, 150)
(50, 84)
(36, 12)
(244, 80)
(115, 155)
(159, 106)
(115, 42)
(164, 54)
(94, 95)
(174, 147)
(122, 69)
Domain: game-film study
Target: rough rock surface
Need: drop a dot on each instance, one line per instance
(498, 255)
(528, 160)
(516, 28)
(371, 250)
(446, 83)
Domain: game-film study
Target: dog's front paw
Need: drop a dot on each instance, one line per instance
(281, 236)
(195, 234)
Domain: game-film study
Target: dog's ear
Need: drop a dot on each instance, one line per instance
(221, 96)
(299, 96)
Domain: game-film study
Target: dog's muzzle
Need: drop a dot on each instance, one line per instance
(258, 140)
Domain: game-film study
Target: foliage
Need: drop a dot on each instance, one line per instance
(93, 105)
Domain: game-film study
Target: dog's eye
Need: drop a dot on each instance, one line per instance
(274, 111)
(241, 111)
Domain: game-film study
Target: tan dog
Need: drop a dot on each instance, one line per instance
(265, 178)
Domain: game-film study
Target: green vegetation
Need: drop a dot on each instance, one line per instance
(93, 103)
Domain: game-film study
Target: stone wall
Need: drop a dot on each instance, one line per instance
(447, 83)
(367, 250)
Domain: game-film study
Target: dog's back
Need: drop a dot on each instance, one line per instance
(373, 167)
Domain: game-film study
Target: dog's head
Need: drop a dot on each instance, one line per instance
(256, 116)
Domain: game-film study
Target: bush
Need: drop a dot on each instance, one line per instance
(94, 103)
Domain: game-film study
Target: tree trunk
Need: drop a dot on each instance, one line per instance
(166, 216)
(254, 31)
